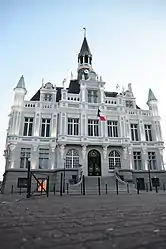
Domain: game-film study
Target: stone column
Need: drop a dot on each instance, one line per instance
(144, 157)
(105, 163)
(34, 157)
(83, 124)
(130, 157)
(52, 157)
(141, 130)
(84, 159)
(122, 131)
(11, 156)
(160, 160)
(61, 156)
(102, 94)
(63, 124)
(37, 122)
(54, 126)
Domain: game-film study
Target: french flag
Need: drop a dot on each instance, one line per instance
(101, 117)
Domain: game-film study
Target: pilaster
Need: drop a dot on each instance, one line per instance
(34, 157)
(84, 159)
(37, 124)
(141, 130)
(105, 166)
(144, 157)
(53, 164)
(54, 125)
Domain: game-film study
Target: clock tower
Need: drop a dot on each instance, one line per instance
(84, 60)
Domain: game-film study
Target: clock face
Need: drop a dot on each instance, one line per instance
(86, 71)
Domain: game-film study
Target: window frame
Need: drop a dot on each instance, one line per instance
(73, 126)
(112, 128)
(114, 156)
(137, 159)
(93, 128)
(134, 132)
(28, 126)
(72, 160)
(45, 127)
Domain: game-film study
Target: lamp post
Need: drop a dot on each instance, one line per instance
(29, 178)
(149, 174)
(64, 176)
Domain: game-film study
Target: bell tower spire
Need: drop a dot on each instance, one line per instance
(84, 57)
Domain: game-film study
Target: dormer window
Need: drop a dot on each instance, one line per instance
(92, 96)
(129, 104)
(48, 97)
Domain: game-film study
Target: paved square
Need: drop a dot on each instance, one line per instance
(107, 221)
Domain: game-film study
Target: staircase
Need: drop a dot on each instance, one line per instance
(91, 185)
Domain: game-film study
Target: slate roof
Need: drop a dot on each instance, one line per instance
(151, 95)
(85, 48)
(21, 83)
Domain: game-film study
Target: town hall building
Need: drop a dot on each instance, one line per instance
(82, 125)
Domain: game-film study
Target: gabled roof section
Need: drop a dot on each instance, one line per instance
(85, 48)
(151, 95)
(21, 83)
(74, 87)
(111, 94)
(36, 97)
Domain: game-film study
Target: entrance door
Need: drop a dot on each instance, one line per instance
(94, 163)
(141, 183)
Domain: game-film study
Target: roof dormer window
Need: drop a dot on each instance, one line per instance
(48, 97)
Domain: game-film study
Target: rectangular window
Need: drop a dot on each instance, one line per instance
(22, 182)
(73, 126)
(93, 128)
(92, 96)
(112, 128)
(129, 104)
(148, 132)
(43, 158)
(25, 158)
(134, 132)
(48, 97)
(137, 160)
(28, 125)
(45, 129)
(152, 161)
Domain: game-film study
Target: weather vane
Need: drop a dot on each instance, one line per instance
(84, 32)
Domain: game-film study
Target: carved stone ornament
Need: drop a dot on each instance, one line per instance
(83, 151)
(125, 153)
(161, 152)
(53, 146)
(129, 150)
(144, 150)
(12, 146)
(105, 152)
(62, 150)
(35, 146)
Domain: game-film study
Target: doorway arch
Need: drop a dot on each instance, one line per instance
(94, 163)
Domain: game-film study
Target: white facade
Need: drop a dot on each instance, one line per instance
(59, 126)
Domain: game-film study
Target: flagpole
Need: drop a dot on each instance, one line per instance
(84, 32)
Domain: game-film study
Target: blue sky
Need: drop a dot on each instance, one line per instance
(41, 39)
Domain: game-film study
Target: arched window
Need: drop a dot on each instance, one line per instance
(72, 159)
(114, 159)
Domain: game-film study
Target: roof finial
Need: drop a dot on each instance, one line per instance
(84, 32)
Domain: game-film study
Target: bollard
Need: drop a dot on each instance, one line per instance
(106, 191)
(156, 188)
(137, 187)
(117, 189)
(54, 188)
(83, 185)
(61, 184)
(99, 185)
(12, 189)
(146, 187)
(67, 187)
(47, 189)
(127, 188)
(164, 187)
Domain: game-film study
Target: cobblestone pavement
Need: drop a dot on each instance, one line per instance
(127, 221)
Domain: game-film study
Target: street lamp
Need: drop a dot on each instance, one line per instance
(64, 176)
(29, 178)
(149, 174)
